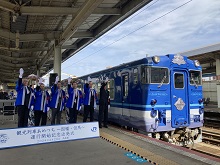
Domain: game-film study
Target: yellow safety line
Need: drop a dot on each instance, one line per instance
(151, 157)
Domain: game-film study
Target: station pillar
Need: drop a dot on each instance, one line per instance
(218, 80)
(38, 73)
(57, 61)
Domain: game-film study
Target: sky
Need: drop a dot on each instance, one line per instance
(194, 25)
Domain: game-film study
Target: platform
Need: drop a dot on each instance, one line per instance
(111, 148)
(80, 152)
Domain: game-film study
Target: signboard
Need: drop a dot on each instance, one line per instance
(11, 84)
(47, 134)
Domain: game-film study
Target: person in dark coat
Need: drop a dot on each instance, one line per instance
(103, 106)
(1, 94)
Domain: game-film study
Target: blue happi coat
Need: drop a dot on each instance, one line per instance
(87, 95)
(55, 97)
(41, 103)
(72, 94)
(20, 88)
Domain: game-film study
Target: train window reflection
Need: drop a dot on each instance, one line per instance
(195, 77)
(178, 80)
(111, 88)
(154, 75)
(135, 73)
(125, 85)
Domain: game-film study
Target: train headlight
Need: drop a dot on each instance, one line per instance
(196, 63)
(153, 113)
(200, 101)
(201, 110)
(153, 102)
(156, 59)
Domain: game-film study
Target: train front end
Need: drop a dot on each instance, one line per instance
(176, 100)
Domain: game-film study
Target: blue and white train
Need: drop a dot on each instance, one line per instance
(161, 95)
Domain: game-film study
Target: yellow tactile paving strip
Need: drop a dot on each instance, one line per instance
(143, 153)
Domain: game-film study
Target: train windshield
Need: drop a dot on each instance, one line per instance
(153, 75)
(195, 77)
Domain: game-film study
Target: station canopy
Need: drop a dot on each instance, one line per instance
(206, 55)
(30, 29)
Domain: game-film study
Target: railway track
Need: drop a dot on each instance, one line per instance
(211, 136)
(204, 147)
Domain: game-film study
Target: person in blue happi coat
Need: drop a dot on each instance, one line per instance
(24, 100)
(74, 101)
(90, 98)
(58, 100)
(41, 104)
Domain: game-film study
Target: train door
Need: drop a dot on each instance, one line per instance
(125, 100)
(179, 99)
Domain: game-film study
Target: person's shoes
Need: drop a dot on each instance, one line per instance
(105, 126)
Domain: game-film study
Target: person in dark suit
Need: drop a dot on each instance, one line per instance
(24, 100)
(1, 94)
(103, 105)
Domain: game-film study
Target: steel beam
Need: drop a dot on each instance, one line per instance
(38, 10)
(69, 47)
(18, 58)
(47, 56)
(42, 10)
(14, 66)
(88, 7)
(41, 37)
(5, 5)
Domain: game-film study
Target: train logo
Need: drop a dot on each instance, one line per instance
(179, 104)
(178, 59)
(3, 138)
(94, 129)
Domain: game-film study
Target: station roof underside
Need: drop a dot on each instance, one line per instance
(205, 55)
(29, 30)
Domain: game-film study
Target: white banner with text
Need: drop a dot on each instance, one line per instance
(46, 134)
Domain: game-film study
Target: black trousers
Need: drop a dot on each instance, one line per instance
(103, 108)
(56, 114)
(88, 109)
(40, 116)
(23, 114)
(73, 114)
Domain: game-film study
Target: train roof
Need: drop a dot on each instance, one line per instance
(121, 66)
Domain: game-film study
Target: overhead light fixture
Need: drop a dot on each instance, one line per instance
(14, 18)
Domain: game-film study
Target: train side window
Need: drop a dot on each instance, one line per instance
(97, 88)
(111, 88)
(158, 75)
(135, 74)
(195, 77)
(125, 85)
(154, 75)
(178, 80)
(143, 75)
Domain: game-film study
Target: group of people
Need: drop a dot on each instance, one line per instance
(3, 95)
(41, 102)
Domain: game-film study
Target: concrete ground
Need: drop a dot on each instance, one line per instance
(81, 152)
